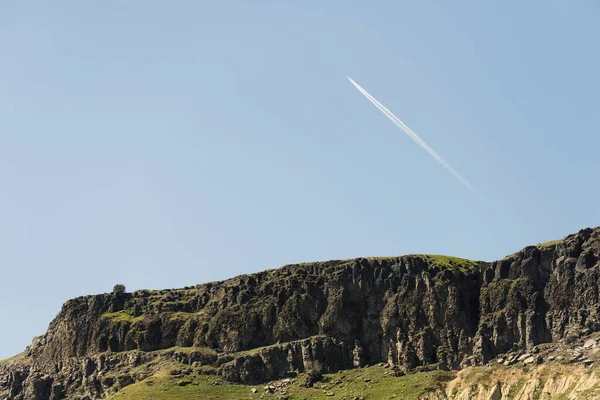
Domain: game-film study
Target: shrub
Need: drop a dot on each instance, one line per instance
(119, 289)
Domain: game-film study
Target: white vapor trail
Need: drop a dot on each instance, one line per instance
(414, 137)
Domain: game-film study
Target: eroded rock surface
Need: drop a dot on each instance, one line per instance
(410, 311)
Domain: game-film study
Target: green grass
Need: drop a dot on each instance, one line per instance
(203, 350)
(480, 375)
(370, 383)
(182, 315)
(163, 386)
(16, 358)
(516, 388)
(449, 262)
(122, 316)
(257, 350)
(549, 243)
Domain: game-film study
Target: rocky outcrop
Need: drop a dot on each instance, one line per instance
(275, 362)
(408, 311)
(541, 294)
(542, 382)
(404, 309)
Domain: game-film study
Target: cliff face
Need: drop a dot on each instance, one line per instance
(408, 311)
(540, 294)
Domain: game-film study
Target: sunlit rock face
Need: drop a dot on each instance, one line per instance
(410, 312)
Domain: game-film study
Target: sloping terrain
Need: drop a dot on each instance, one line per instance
(410, 313)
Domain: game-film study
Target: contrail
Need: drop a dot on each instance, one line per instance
(415, 137)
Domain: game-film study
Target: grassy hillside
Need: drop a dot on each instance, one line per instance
(549, 381)
(372, 382)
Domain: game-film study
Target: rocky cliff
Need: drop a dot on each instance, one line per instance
(411, 312)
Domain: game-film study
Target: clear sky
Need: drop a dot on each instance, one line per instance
(164, 144)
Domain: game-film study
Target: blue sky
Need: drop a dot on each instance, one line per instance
(165, 144)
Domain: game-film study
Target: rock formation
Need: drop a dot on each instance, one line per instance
(411, 312)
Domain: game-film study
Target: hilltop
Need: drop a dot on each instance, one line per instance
(409, 321)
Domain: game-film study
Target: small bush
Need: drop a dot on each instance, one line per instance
(119, 289)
